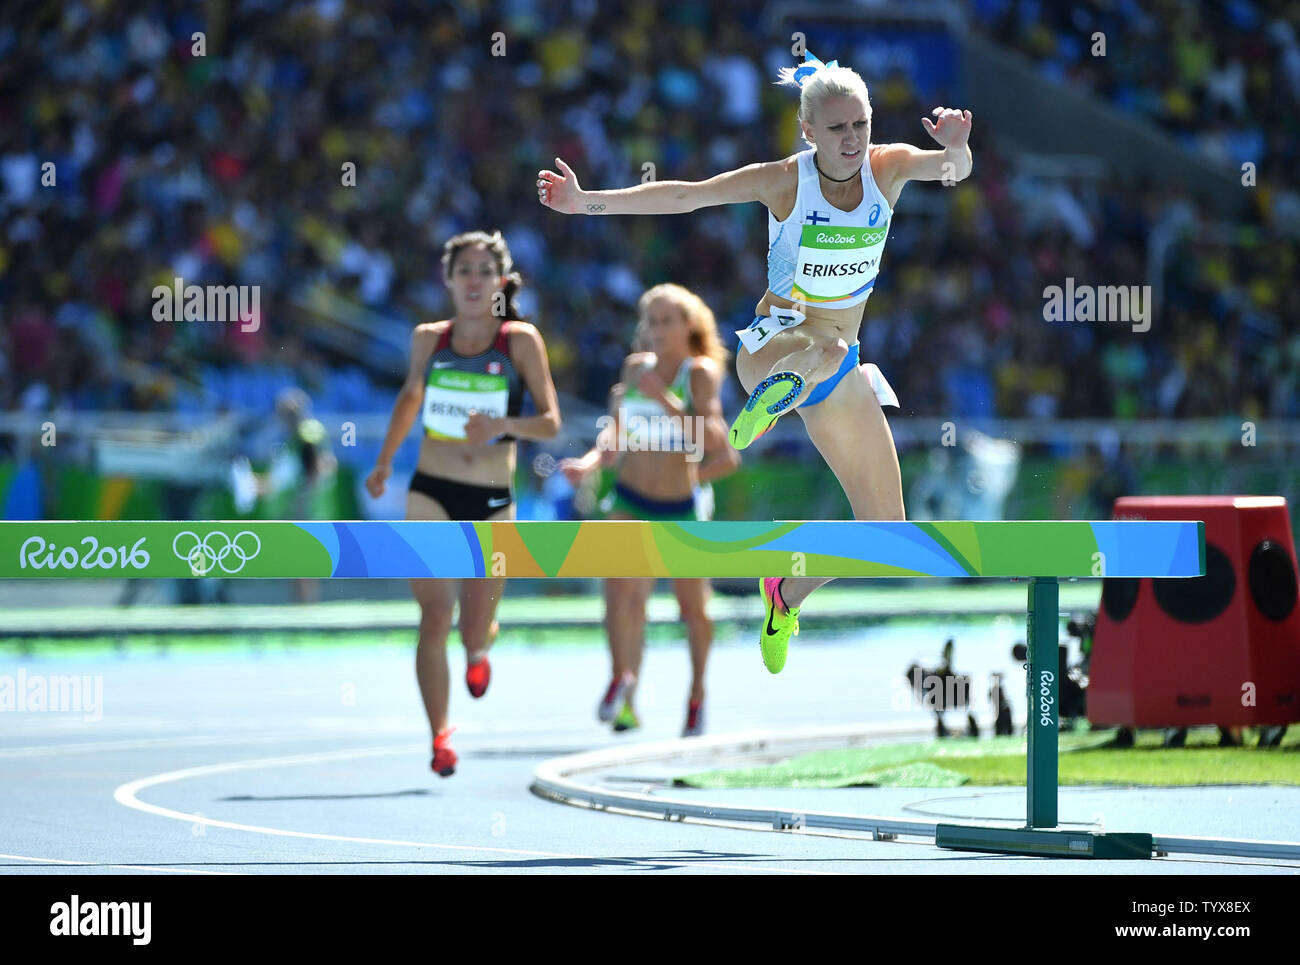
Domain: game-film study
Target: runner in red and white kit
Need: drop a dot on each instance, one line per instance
(465, 384)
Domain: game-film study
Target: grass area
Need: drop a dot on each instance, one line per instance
(1087, 757)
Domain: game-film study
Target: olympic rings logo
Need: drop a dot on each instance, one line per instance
(214, 549)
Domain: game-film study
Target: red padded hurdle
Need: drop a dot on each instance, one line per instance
(1219, 649)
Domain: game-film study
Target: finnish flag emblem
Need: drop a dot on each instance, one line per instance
(813, 216)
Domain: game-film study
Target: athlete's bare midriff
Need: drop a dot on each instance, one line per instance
(828, 322)
(665, 476)
(489, 465)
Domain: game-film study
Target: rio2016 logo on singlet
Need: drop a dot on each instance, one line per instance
(450, 395)
(837, 264)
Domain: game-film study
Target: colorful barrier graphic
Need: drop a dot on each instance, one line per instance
(369, 550)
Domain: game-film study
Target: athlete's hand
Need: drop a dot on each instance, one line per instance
(480, 428)
(575, 470)
(952, 127)
(560, 192)
(375, 481)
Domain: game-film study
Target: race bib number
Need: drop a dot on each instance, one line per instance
(450, 396)
(837, 264)
(762, 329)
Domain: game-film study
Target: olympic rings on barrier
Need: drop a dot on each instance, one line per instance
(202, 557)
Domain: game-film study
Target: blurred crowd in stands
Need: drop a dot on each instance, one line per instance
(229, 168)
(1222, 76)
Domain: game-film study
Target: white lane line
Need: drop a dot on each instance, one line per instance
(127, 796)
(141, 743)
(128, 867)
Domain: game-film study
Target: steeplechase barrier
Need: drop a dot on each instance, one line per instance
(1040, 551)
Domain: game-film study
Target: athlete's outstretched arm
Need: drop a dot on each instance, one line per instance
(406, 409)
(606, 452)
(754, 182)
(904, 162)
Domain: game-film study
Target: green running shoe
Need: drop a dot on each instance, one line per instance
(780, 623)
(626, 719)
(770, 398)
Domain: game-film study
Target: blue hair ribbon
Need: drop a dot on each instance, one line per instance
(809, 67)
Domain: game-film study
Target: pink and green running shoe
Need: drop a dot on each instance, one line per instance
(779, 624)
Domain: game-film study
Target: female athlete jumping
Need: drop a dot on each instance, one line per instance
(829, 211)
(466, 380)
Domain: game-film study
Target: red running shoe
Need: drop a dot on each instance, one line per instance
(444, 758)
(477, 677)
(694, 719)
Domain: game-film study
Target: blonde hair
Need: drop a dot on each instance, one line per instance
(826, 82)
(704, 338)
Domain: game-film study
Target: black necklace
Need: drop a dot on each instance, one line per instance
(829, 178)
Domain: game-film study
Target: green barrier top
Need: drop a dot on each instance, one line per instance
(411, 549)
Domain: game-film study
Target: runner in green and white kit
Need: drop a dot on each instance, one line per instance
(666, 432)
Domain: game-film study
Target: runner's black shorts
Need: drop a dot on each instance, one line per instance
(461, 500)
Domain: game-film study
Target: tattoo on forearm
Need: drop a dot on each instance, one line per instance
(596, 207)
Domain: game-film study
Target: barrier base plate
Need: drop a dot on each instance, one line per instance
(1047, 844)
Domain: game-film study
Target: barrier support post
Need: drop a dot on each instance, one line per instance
(1042, 691)
(1040, 837)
